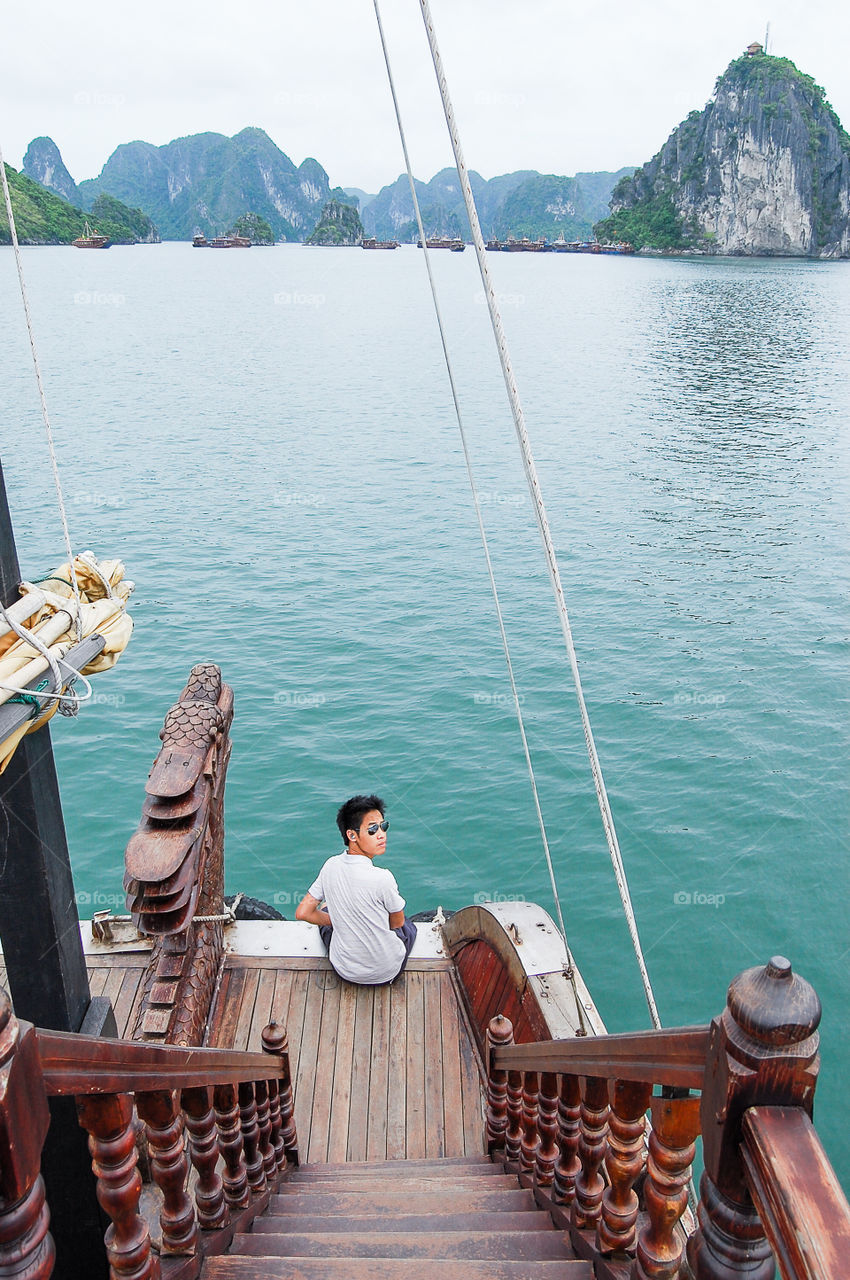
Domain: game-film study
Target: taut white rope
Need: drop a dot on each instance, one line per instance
(481, 529)
(14, 234)
(539, 509)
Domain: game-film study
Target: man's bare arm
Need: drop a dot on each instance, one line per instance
(396, 919)
(309, 909)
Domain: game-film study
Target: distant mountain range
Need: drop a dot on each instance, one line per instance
(205, 182)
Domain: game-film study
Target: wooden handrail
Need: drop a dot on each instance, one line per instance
(84, 1065)
(793, 1185)
(669, 1057)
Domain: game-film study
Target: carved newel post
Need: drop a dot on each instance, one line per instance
(763, 1051)
(26, 1247)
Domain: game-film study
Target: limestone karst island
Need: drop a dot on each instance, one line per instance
(762, 170)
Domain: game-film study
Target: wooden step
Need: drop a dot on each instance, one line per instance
(229, 1267)
(513, 1220)
(362, 1185)
(505, 1245)
(387, 1201)
(477, 1163)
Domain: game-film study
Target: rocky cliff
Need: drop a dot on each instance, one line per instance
(43, 163)
(763, 170)
(339, 225)
(525, 203)
(205, 181)
(42, 217)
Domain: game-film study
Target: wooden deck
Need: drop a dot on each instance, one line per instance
(380, 1073)
(117, 976)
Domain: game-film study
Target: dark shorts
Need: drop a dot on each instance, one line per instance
(407, 933)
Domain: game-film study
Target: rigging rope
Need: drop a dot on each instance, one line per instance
(481, 529)
(539, 509)
(60, 499)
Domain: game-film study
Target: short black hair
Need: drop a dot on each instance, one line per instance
(352, 813)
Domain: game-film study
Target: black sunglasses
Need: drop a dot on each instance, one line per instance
(374, 827)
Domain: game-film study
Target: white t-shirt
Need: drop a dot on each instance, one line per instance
(360, 897)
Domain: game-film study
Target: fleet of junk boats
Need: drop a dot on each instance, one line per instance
(94, 240)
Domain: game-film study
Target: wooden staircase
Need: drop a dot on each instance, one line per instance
(448, 1219)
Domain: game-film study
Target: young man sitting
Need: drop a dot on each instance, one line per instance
(357, 906)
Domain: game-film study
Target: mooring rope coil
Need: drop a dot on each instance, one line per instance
(539, 509)
(481, 527)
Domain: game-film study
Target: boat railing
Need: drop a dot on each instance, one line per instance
(226, 1114)
(570, 1118)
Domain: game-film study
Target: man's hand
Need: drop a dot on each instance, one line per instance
(309, 909)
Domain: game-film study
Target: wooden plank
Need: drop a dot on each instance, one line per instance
(363, 1056)
(473, 1121)
(341, 1094)
(126, 959)
(227, 1006)
(325, 1058)
(246, 1009)
(262, 1009)
(452, 1090)
(418, 964)
(306, 1078)
(494, 1245)
(435, 1129)
(97, 980)
(112, 986)
(289, 1009)
(126, 997)
(382, 1050)
(397, 1084)
(415, 1129)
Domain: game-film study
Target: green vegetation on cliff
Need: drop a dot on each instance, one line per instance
(254, 228)
(339, 225)
(44, 218)
(652, 224)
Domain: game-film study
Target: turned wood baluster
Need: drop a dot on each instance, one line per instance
(26, 1246)
(513, 1133)
(530, 1137)
(204, 1153)
(499, 1032)
(264, 1125)
(675, 1126)
(169, 1169)
(235, 1175)
(251, 1137)
(568, 1164)
(593, 1132)
(108, 1120)
(547, 1123)
(623, 1162)
(274, 1041)
(762, 1051)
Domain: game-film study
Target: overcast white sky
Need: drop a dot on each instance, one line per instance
(555, 85)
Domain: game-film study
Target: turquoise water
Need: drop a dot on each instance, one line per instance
(267, 440)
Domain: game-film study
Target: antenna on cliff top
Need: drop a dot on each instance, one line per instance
(766, 36)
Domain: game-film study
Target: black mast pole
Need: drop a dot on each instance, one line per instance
(44, 958)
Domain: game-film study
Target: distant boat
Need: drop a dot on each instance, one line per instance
(524, 245)
(378, 244)
(226, 242)
(91, 240)
(493, 245)
(200, 241)
(444, 242)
